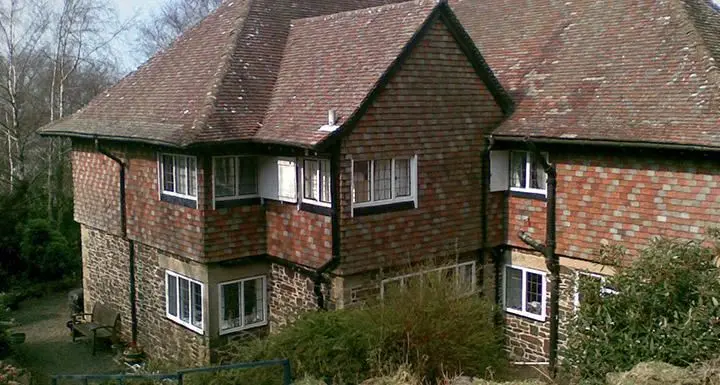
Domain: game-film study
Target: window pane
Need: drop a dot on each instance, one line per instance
(184, 300)
(181, 175)
(168, 173)
(248, 176)
(310, 187)
(402, 177)
(517, 171)
(230, 306)
(466, 278)
(382, 180)
(197, 304)
(513, 288)
(224, 177)
(253, 301)
(325, 181)
(361, 180)
(171, 299)
(534, 293)
(192, 176)
(537, 174)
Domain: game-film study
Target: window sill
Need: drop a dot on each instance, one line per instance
(185, 325)
(242, 328)
(236, 202)
(316, 209)
(534, 317)
(176, 200)
(529, 195)
(386, 208)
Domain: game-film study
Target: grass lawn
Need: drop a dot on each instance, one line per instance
(48, 347)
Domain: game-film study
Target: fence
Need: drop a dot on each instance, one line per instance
(177, 376)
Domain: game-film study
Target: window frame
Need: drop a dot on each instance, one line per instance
(603, 288)
(319, 201)
(393, 189)
(161, 172)
(421, 274)
(177, 319)
(241, 297)
(528, 165)
(236, 164)
(543, 303)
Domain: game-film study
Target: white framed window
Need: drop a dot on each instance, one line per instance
(316, 181)
(235, 177)
(463, 274)
(527, 173)
(243, 304)
(600, 280)
(383, 181)
(184, 301)
(525, 292)
(178, 175)
(287, 179)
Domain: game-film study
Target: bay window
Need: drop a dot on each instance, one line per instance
(525, 292)
(316, 181)
(184, 301)
(235, 177)
(384, 181)
(178, 175)
(243, 304)
(527, 173)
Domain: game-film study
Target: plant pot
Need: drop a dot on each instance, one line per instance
(16, 338)
(133, 355)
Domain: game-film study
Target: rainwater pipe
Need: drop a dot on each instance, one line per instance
(334, 262)
(123, 231)
(551, 259)
(484, 209)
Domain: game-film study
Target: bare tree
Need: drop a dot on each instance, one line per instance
(173, 18)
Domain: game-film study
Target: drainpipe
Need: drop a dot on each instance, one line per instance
(484, 207)
(123, 231)
(551, 259)
(334, 262)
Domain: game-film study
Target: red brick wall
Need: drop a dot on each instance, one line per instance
(624, 199)
(235, 232)
(298, 236)
(437, 107)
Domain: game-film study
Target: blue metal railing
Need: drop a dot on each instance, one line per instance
(177, 376)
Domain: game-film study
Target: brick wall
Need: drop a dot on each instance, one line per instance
(235, 232)
(298, 236)
(435, 106)
(625, 199)
(95, 188)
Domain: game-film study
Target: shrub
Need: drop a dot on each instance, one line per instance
(427, 327)
(45, 251)
(667, 309)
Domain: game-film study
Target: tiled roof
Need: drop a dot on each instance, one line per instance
(333, 62)
(620, 70)
(213, 84)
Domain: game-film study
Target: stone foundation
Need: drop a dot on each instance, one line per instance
(290, 293)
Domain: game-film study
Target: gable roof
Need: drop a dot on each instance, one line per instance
(639, 71)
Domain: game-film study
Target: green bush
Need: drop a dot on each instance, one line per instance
(427, 327)
(667, 309)
(45, 251)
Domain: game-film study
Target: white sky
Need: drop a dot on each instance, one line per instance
(124, 46)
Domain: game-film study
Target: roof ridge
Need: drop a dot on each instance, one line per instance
(201, 120)
(351, 13)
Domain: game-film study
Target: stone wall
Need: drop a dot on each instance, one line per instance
(290, 294)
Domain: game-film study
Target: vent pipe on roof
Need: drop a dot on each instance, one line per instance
(332, 117)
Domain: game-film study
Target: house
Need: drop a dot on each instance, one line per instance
(285, 156)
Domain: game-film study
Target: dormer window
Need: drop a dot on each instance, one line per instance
(178, 179)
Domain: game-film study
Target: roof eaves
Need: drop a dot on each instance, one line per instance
(606, 143)
(117, 138)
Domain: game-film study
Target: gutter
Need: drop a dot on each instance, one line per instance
(552, 261)
(610, 143)
(334, 262)
(123, 231)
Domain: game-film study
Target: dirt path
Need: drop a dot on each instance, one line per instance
(48, 347)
